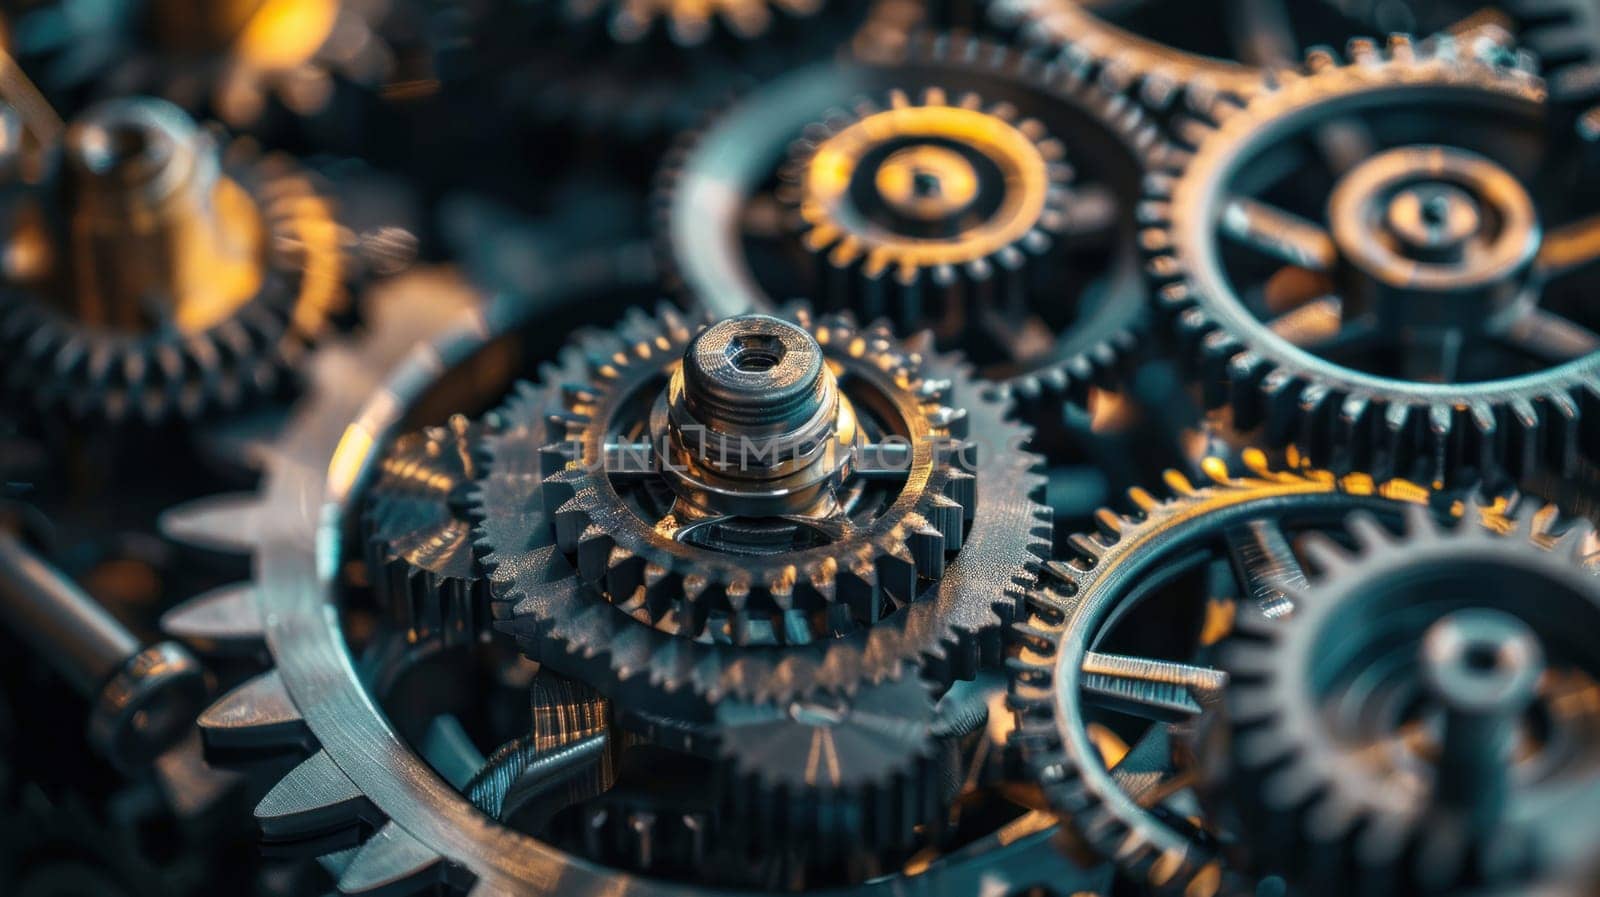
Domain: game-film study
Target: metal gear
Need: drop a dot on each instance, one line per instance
(1169, 54)
(1409, 728)
(839, 590)
(1104, 694)
(419, 538)
(834, 777)
(199, 276)
(689, 22)
(729, 244)
(1406, 336)
(917, 207)
(231, 59)
(383, 818)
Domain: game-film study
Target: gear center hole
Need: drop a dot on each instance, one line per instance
(755, 353)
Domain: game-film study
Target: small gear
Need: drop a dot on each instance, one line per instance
(836, 777)
(198, 276)
(1113, 665)
(1432, 327)
(1410, 727)
(916, 208)
(418, 536)
(620, 550)
(1038, 185)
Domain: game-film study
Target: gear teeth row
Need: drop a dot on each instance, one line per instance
(419, 545)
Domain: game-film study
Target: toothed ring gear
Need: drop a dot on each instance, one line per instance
(1434, 327)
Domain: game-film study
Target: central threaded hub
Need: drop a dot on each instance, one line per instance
(754, 375)
(753, 421)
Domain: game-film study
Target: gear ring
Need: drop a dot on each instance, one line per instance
(1438, 809)
(1312, 374)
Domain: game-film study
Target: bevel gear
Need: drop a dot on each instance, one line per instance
(1410, 728)
(874, 536)
(159, 276)
(1431, 328)
(920, 206)
(418, 537)
(1216, 548)
(1075, 183)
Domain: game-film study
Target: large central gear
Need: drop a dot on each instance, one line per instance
(869, 539)
(1421, 316)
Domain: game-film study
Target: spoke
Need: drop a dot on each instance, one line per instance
(883, 461)
(1548, 336)
(1344, 144)
(630, 460)
(1312, 324)
(1266, 565)
(1161, 690)
(1263, 33)
(1568, 248)
(1278, 233)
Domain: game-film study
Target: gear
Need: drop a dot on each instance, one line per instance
(689, 22)
(229, 59)
(1112, 666)
(921, 205)
(1411, 724)
(233, 268)
(360, 778)
(1165, 52)
(801, 571)
(418, 537)
(636, 71)
(836, 777)
(1432, 327)
(1040, 179)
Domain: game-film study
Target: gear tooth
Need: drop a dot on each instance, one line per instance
(1086, 547)
(1368, 532)
(225, 620)
(927, 546)
(1323, 553)
(1177, 483)
(591, 543)
(316, 798)
(392, 861)
(1142, 500)
(223, 523)
(257, 715)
